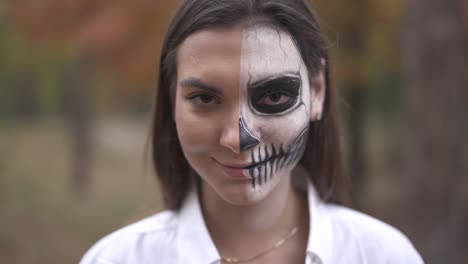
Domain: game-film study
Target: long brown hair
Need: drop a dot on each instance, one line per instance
(322, 156)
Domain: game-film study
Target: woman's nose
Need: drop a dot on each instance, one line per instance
(237, 137)
(246, 139)
(230, 135)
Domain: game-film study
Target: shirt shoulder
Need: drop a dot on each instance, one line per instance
(371, 240)
(140, 242)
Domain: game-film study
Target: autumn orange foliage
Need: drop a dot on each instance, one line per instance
(121, 36)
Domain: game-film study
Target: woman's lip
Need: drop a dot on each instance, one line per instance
(243, 166)
(233, 171)
(233, 166)
(238, 167)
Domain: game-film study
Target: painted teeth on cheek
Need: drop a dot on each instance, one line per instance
(287, 160)
(278, 161)
(259, 177)
(259, 156)
(272, 163)
(283, 160)
(252, 171)
(272, 169)
(267, 171)
(267, 162)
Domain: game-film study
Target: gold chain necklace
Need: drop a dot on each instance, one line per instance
(264, 252)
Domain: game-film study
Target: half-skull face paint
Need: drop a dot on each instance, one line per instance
(275, 103)
(242, 109)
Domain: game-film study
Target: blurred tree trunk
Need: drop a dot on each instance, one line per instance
(434, 137)
(353, 40)
(25, 103)
(78, 105)
(356, 150)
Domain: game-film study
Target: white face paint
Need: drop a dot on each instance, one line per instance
(274, 108)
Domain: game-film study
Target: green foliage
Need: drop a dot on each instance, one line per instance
(6, 68)
(49, 70)
(36, 69)
(385, 96)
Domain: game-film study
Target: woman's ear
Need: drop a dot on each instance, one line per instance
(317, 92)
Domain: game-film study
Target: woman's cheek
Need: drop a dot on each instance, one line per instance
(196, 133)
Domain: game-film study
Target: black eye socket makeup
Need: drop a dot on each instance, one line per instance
(275, 95)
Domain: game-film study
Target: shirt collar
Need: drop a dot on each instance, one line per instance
(193, 238)
(320, 242)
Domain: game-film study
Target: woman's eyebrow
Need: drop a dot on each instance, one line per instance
(197, 83)
(273, 78)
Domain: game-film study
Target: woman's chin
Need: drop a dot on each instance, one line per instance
(243, 193)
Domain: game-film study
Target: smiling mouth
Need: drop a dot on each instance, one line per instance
(250, 166)
(276, 154)
(236, 167)
(267, 160)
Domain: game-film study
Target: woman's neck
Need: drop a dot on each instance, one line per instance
(244, 230)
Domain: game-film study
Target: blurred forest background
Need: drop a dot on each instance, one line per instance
(76, 92)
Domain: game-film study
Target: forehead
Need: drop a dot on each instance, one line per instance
(251, 54)
(267, 52)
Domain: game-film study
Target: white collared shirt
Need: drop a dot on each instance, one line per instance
(337, 235)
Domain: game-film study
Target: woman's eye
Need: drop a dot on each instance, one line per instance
(276, 95)
(203, 99)
(274, 98)
(272, 102)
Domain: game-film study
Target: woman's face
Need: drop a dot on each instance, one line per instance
(242, 108)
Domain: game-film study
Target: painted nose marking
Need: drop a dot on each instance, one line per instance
(246, 139)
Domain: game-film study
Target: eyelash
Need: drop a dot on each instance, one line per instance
(196, 98)
(277, 93)
(263, 102)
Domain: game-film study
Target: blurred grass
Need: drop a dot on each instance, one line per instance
(41, 220)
